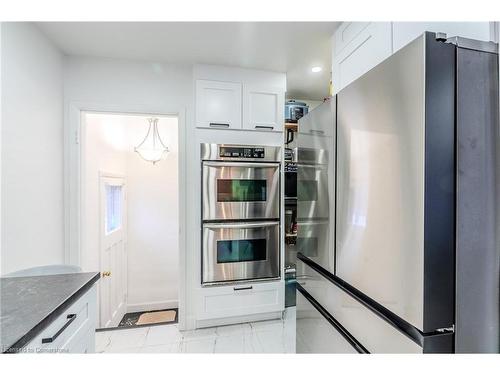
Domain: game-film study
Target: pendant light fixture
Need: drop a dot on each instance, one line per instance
(152, 147)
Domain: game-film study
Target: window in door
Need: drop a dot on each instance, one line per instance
(113, 208)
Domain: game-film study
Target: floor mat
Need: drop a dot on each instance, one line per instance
(149, 317)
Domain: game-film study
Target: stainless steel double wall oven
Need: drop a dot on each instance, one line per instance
(240, 212)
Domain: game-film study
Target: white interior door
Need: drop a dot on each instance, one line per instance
(113, 251)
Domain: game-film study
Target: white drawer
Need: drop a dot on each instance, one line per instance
(242, 299)
(374, 333)
(77, 336)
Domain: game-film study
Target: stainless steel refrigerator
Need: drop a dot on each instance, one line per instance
(398, 204)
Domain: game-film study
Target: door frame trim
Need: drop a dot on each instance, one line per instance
(74, 180)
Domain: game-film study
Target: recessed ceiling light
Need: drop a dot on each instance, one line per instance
(316, 69)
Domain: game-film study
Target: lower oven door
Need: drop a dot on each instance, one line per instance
(240, 251)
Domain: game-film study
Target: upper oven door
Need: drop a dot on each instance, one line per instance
(240, 190)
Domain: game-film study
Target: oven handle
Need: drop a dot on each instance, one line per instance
(241, 225)
(312, 166)
(240, 164)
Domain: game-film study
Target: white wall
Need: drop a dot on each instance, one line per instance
(153, 224)
(152, 235)
(32, 149)
(127, 84)
(404, 32)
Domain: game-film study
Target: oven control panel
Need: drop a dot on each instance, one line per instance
(290, 167)
(242, 152)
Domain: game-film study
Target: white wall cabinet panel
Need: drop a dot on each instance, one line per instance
(218, 104)
(369, 47)
(346, 33)
(405, 32)
(263, 108)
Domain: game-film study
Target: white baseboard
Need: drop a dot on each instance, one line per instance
(148, 306)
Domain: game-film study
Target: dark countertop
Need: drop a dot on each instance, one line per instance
(30, 304)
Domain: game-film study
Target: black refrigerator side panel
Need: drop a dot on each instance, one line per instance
(439, 344)
(478, 256)
(439, 219)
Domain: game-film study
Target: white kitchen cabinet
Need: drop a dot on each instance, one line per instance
(218, 104)
(360, 46)
(346, 33)
(370, 43)
(240, 300)
(405, 32)
(73, 331)
(263, 108)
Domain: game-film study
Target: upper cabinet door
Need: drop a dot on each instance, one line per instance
(218, 104)
(370, 43)
(263, 108)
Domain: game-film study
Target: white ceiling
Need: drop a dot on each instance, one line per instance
(291, 47)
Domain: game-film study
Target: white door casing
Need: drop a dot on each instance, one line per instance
(113, 249)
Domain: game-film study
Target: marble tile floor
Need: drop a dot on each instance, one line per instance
(270, 336)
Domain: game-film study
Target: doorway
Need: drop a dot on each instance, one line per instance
(130, 217)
